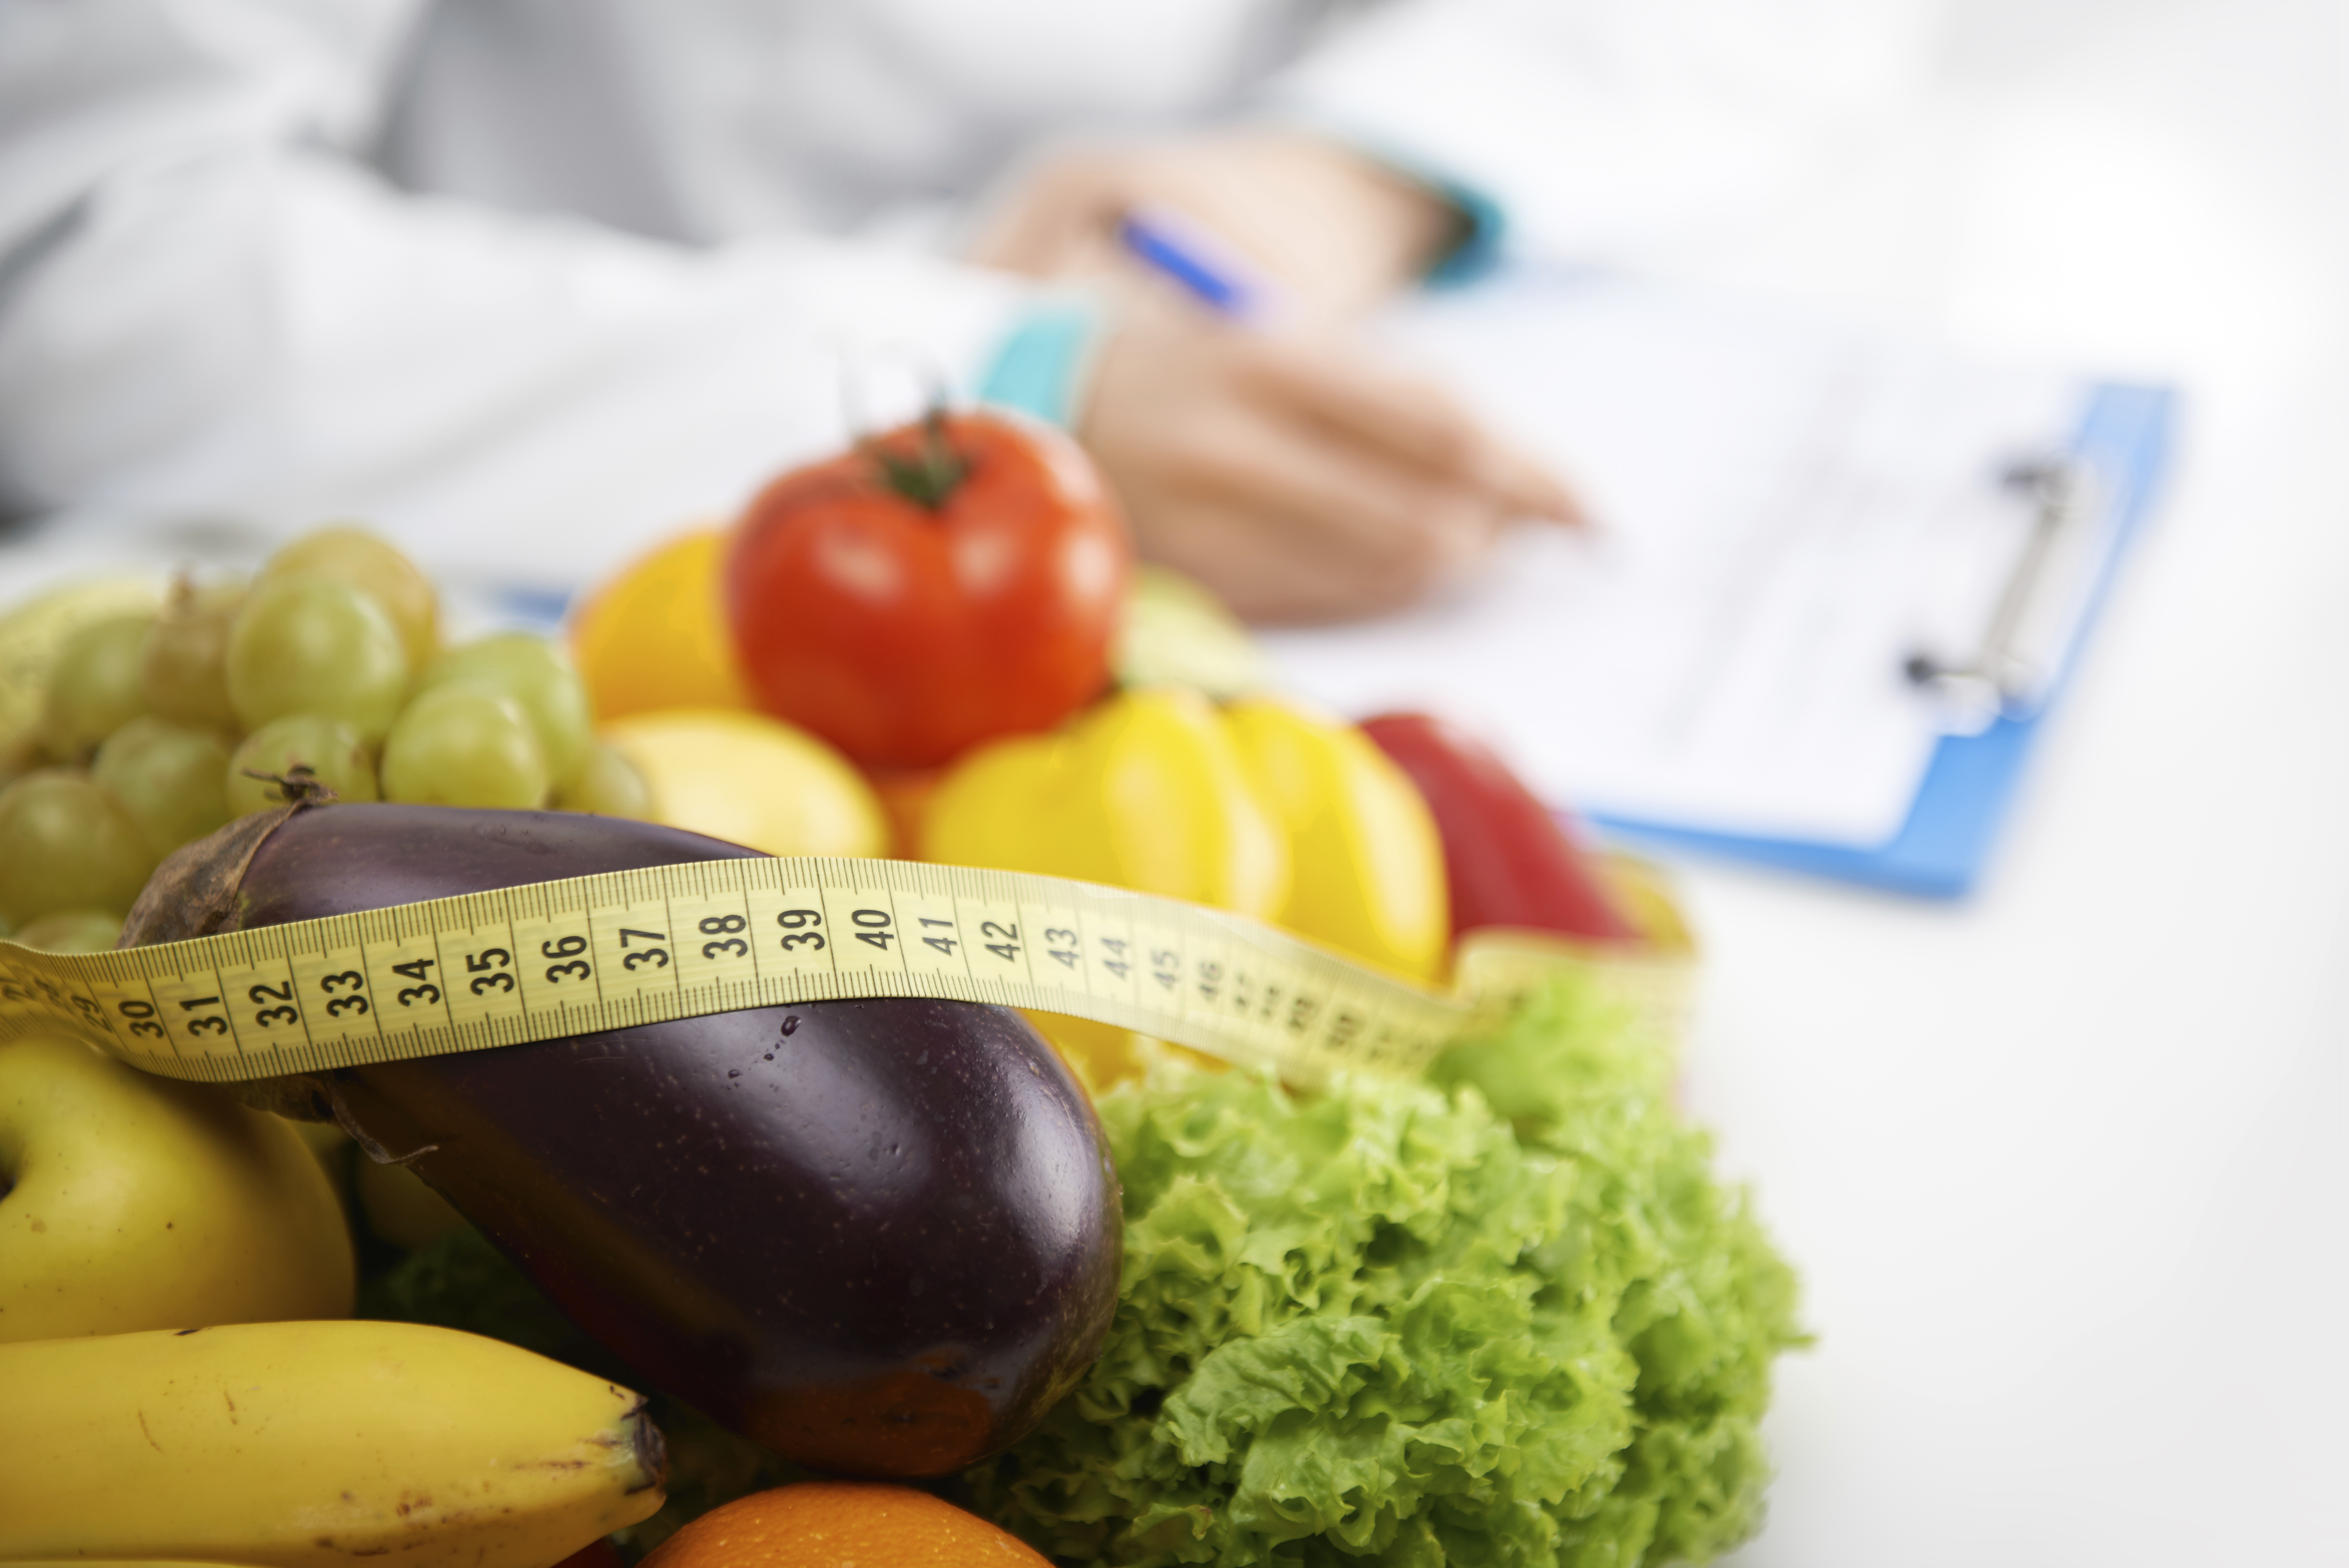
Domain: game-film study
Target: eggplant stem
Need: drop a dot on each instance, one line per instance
(298, 785)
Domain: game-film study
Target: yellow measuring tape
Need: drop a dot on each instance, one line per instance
(556, 959)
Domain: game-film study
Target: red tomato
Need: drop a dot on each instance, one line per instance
(945, 582)
(1506, 859)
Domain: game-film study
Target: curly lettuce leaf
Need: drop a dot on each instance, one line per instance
(1505, 1317)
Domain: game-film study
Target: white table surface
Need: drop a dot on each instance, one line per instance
(2064, 1167)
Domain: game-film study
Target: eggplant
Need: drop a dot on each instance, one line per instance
(879, 1237)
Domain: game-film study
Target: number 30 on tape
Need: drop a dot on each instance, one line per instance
(555, 959)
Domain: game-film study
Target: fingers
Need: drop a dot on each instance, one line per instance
(1300, 491)
(1411, 420)
(1057, 221)
(1529, 487)
(1292, 528)
(1348, 499)
(1269, 574)
(1267, 577)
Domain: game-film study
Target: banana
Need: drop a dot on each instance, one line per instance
(305, 1445)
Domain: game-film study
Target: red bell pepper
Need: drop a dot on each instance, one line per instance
(1508, 861)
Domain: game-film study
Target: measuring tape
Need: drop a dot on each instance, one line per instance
(556, 959)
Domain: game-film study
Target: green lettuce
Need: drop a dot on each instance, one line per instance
(1501, 1316)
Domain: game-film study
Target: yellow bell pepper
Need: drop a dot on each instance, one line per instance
(1262, 808)
(1367, 867)
(1145, 790)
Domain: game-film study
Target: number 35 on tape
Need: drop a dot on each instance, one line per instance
(556, 959)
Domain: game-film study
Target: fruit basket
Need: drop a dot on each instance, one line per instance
(1316, 1193)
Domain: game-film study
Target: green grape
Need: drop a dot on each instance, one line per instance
(333, 753)
(183, 666)
(312, 645)
(607, 784)
(64, 844)
(465, 744)
(72, 931)
(167, 776)
(347, 553)
(539, 675)
(94, 686)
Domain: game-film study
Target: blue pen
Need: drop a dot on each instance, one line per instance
(1186, 254)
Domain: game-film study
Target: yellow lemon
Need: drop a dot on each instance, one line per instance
(657, 636)
(751, 780)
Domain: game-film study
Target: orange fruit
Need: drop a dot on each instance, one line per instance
(905, 795)
(657, 636)
(842, 1524)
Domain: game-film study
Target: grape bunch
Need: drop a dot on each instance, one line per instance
(326, 670)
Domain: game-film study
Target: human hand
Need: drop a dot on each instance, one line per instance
(1337, 232)
(1298, 474)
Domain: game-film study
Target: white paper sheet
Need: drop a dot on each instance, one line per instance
(1791, 510)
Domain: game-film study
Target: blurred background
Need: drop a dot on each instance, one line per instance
(2062, 1164)
(2065, 1165)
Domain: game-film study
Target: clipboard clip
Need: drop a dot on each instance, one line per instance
(2022, 642)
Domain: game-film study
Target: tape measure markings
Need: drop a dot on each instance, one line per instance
(583, 955)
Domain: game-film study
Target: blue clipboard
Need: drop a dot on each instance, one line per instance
(1944, 845)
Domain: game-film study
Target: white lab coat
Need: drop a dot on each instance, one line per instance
(530, 280)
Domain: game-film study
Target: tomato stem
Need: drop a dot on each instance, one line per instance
(930, 475)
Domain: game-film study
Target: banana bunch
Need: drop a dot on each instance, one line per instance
(305, 1445)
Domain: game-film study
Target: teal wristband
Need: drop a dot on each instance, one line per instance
(1479, 250)
(1485, 222)
(1040, 367)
